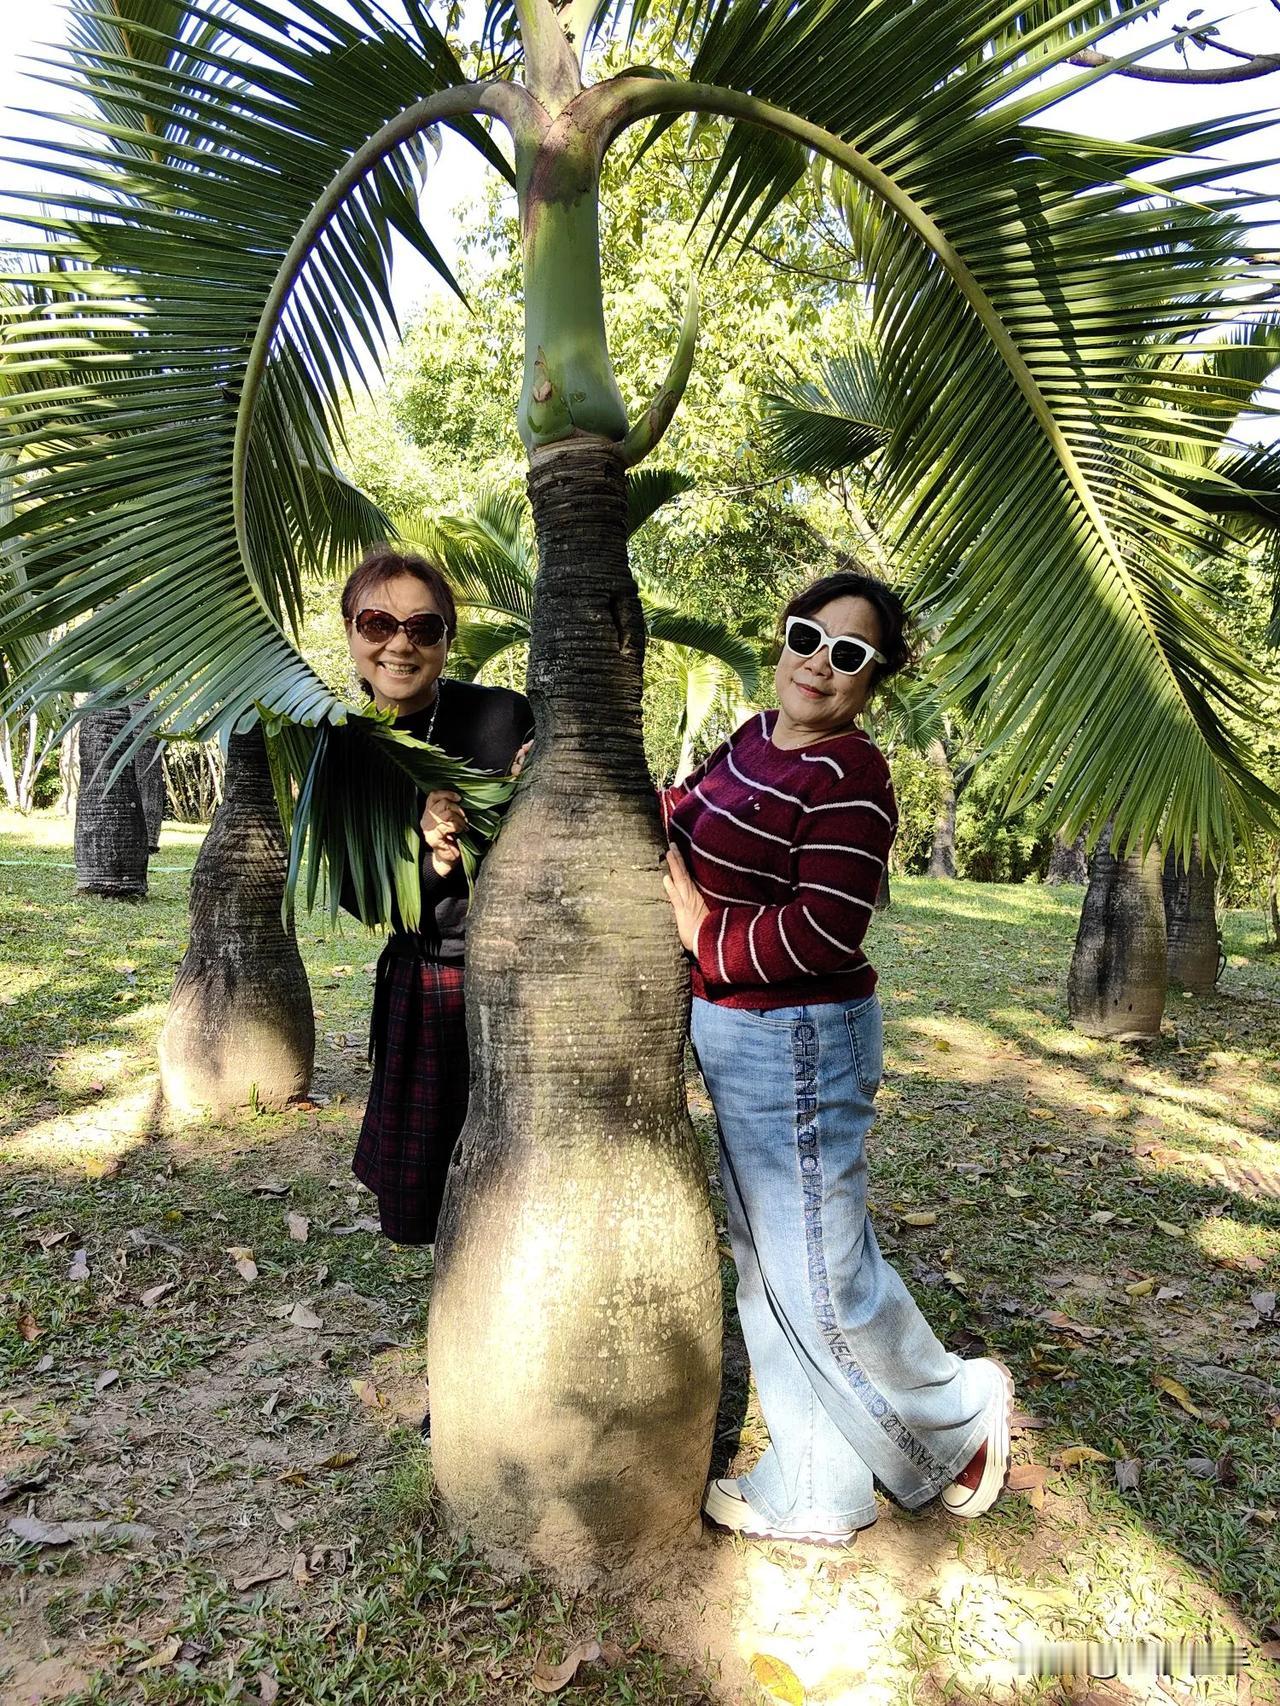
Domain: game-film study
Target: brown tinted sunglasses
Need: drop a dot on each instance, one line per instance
(377, 626)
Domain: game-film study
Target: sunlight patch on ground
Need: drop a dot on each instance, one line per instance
(91, 1140)
(863, 1627)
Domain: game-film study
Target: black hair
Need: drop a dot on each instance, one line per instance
(854, 582)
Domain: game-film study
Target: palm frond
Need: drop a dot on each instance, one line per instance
(819, 426)
(167, 252)
(704, 636)
(479, 642)
(648, 489)
(1014, 275)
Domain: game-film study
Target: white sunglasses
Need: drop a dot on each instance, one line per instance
(847, 652)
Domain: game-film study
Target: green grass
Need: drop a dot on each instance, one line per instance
(1055, 1167)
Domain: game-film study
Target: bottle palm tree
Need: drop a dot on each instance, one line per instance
(490, 559)
(236, 273)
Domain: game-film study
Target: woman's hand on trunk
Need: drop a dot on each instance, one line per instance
(686, 901)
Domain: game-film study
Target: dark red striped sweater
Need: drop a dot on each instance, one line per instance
(787, 848)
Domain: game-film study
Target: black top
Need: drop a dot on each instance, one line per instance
(486, 726)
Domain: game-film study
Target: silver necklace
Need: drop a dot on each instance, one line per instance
(435, 706)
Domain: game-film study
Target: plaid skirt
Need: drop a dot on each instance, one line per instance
(418, 1092)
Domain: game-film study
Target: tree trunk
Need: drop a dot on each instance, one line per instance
(942, 860)
(149, 764)
(575, 1317)
(240, 1027)
(111, 831)
(1068, 862)
(1273, 904)
(1191, 922)
(1118, 978)
(69, 771)
(884, 900)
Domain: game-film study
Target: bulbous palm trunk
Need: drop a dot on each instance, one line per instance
(575, 1316)
(1068, 863)
(111, 828)
(942, 859)
(240, 1026)
(1118, 978)
(1191, 922)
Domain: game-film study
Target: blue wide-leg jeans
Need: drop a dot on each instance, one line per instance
(853, 1383)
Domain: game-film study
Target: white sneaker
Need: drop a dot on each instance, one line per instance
(978, 1486)
(725, 1504)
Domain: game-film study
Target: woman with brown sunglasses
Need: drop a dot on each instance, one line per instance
(400, 618)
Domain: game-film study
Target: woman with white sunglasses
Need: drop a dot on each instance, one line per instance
(778, 844)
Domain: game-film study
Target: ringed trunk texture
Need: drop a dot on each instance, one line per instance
(1118, 979)
(111, 828)
(1068, 863)
(575, 1329)
(240, 1027)
(942, 860)
(1191, 922)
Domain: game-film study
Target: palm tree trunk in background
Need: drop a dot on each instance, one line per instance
(1068, 863)
(111, 830)
(575, 1316)
(1118, 978)
(884, 900)
(942, 860)
(149, 764)
(1191, 922)
(240, 1027)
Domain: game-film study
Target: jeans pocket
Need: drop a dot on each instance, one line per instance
(866, 1039)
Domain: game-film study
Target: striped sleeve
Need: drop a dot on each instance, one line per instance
(670, 798)
(839, 856)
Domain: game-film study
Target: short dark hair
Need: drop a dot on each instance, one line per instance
(852, 581)
(384, 563)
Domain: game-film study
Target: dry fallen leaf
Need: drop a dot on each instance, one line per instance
(242, 1256)
(303, 1316)
(79, 1269)
(1203, 1468)
(1167, 1292)
(550, 1679)
(299, 1227)
(154, 1293)
(1141, 1288)
(1065, 1324)
(1103, 1216)
(919, 1217)
(255, 1578)
(339, 1460)
(1073, 1455)
(301, 1574)
(49, 1239)
(1128, 1472)
(164, 1654)
(27, 1327)
(108, 1377)
(778, 1680)
(1263, 1301)
(368, 1394)
(1178, 1392)
(268, 1688)
(1170, 1230)
(270, 1188)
